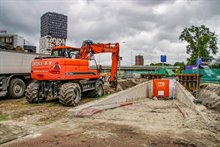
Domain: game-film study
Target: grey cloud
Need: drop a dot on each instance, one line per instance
(151, 2)
(149, 27)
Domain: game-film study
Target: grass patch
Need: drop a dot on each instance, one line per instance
(50, 120)
(86, 100)
(3, 116)
(105, 95)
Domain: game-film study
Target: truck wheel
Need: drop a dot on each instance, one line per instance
(99, 90)
(33, 94)
(16, 88)
(70, 94)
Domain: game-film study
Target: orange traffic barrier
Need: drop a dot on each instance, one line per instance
(161, 88)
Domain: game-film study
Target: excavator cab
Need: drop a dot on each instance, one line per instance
(65, 51)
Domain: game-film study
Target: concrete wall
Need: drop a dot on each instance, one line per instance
(184, 96)
(143, 90)
(150, 89)
(130, 94)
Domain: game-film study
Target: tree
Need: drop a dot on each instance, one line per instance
(216, 63)
(181, 65)
(200, 41)
(160, 64)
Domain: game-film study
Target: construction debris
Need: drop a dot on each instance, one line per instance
(181, 110)
(210, 96)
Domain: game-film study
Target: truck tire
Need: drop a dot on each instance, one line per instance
(98, 91)
(16, 88)
(33, 94)
(70, 94)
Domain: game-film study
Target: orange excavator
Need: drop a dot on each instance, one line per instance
(66, 73)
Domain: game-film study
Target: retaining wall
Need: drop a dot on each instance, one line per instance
(184, 96)
(142, 90)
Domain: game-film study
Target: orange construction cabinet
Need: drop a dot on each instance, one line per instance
(161, 88)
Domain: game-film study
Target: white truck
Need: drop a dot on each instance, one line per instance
(15, 72)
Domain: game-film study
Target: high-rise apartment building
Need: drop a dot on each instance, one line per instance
(53, 31)
(139, 60)
(54, 24)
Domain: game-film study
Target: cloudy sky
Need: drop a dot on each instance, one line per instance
(147, 27)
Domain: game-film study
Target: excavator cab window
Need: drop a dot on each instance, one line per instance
(66, 52)
(73, 54)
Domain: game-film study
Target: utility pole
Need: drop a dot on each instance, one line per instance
(197, 81)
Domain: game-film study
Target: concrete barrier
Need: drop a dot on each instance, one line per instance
(142, 90)
(184, 96)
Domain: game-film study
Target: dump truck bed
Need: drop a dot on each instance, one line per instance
(12, 62)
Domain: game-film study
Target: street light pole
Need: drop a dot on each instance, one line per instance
(131, 56)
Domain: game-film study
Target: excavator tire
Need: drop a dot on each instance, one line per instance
(70, 94)
(32, 93)
(98, 91)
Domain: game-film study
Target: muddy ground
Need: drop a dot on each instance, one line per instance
(146, 122)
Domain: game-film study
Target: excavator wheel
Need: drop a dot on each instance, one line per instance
(70, 94)
(99, 90)
(33, 94)
(114, 84)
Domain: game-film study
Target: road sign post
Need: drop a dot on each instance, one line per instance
(163, 58)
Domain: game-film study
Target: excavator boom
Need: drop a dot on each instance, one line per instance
(89, 47)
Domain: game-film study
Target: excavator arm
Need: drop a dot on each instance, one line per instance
(89, 47)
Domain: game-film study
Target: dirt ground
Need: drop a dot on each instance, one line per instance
(19, 118)
(123, 84)
(147, 122)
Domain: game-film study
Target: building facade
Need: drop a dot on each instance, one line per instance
(139, 60)
(47, 42)
(11, 41)
(15, 42)
(53, 31)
